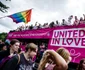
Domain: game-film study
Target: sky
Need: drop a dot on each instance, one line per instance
(44, 11)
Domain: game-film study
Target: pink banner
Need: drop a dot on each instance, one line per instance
(38, 33)
(70, 37)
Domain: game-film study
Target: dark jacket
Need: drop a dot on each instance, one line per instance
(4, 53)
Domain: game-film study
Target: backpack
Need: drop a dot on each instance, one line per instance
(4, 61)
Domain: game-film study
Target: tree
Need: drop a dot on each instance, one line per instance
(3, 36)
(3, 7)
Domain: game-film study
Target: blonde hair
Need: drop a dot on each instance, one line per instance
(64, 53)
(31, 46)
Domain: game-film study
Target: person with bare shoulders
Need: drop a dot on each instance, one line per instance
(61, 58)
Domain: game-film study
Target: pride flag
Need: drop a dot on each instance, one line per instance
(24, 16)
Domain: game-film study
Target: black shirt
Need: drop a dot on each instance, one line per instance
(24, 64)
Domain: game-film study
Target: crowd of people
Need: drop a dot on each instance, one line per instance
(72, 20)
(13, 58)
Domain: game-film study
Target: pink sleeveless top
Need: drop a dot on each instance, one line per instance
(50, 67)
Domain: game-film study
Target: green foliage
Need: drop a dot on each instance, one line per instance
(3, 7)
(3, 36)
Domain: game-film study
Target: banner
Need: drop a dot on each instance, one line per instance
(69, 37)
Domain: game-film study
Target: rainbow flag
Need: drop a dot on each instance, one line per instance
(24, 16)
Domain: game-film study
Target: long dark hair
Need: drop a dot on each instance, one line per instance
(80, 64)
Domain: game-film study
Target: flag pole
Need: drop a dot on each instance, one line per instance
(3, 17)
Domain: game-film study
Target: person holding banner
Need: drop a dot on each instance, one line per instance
(61, 58)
